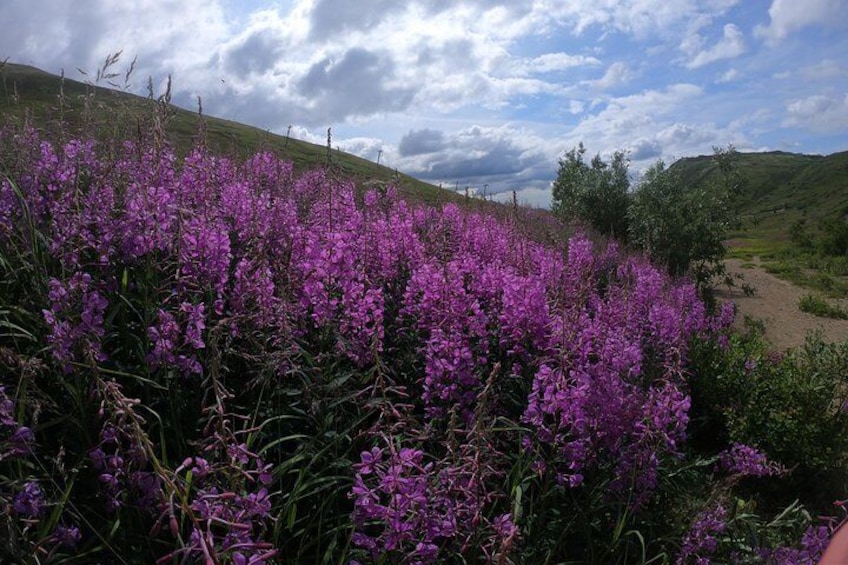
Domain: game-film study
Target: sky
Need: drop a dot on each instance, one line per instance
(475, 93)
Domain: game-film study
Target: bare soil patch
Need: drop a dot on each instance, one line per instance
(775, 303)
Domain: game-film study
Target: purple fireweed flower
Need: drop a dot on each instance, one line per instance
(7, 409)
(22, 436)
(98, 458)
(812, 546)
(601, 339)
(15, 440)
(505, 527)
(165, 336)
(701, 542)
(195, 323)
(147, 487)
(816, 539)
(29, 503)
(201, 467)
(369, 460)
(744, 460)
(75, 319)
(109, 434)
(67, 536)
(253, 291)
(169, 339)
(750, 365)
(413, 510)
(205, 254)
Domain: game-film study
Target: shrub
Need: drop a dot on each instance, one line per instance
(791, 405)
(595, 193)
(818, 306)
(683, 228)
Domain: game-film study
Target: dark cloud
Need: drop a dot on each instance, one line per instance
(331, 17)
(643, 149)
(256, 54)
(483, 158)
(421, 142)
(40, 30)
(459, 52)
(354, 85)
(476, 153)
(499, 160)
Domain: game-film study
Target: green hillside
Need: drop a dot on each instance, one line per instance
(780, 188)
(65, 106)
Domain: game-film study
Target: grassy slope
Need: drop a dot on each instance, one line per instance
(29, 92)
(781, 188)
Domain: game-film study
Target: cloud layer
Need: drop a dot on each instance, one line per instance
(477, 92)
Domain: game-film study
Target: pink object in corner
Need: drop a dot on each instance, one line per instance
(837, 551)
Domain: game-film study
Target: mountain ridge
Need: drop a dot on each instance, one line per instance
(780, 188)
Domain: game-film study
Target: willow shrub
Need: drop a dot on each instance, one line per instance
(792, 405)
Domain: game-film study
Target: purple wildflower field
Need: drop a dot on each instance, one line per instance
(214, 361)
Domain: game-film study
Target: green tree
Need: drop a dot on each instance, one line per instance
(596, 193)
(683, 227)
(660, 219)
(834, 236)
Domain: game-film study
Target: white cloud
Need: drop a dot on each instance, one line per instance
(356, 84)
(788, 16)
(643, 149)
(654, 124)
(532, 197)
(551, 62)
(81, 34)
(478, 151)
(730, 75)
(819, 113)
(641, 19)
(329, 18)
(824, 70)
(365, 147)
(732, 44)
(421, 142)
(616, 74)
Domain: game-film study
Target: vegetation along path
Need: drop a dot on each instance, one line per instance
(775, 302)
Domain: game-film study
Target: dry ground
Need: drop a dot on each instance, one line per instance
(775, 302)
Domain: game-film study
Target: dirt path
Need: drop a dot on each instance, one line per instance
(775, 302)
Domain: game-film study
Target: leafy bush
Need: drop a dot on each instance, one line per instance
(596, 193)
(818, 306)
(833, 239)
(682, 228)
(799, 234)
(792, 406)
(675, 225)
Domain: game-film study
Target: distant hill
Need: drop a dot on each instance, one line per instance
(66, 106)
(780, 188)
